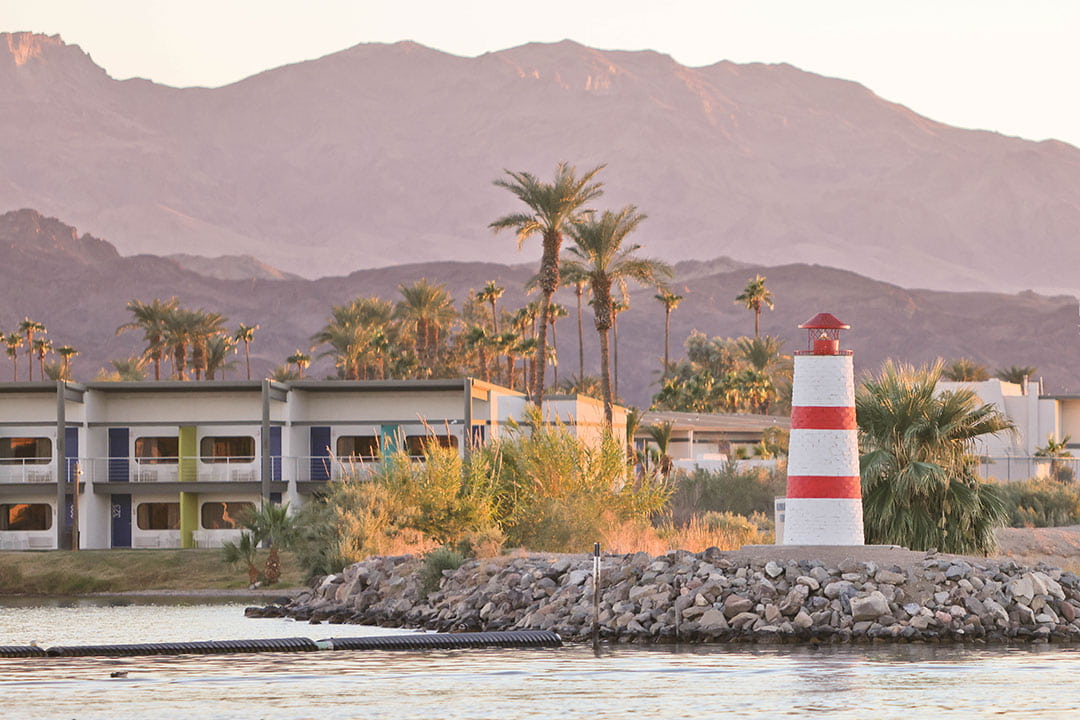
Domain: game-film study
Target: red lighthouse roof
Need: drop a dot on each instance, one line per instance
(824, 321)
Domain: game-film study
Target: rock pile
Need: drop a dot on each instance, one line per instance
(709, 597)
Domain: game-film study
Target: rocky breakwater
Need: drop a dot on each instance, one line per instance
(710, 597)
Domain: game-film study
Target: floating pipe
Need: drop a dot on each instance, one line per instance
(21, 651)
(207, 647)
(429, 641)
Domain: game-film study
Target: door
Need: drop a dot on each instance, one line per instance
(320, 453)
(121, 521)
(275, 453)
(71, 452)
(119, 470)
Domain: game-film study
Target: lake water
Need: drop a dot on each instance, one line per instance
(572, 682)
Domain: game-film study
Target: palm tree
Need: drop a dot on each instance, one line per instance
(490, 294)
(1055, 450)
(556, 312)
(272, 524)
(29, 328)
(919, 480)
(478, 338)
(131, 369)
(246, 334)
(599, 254)
(207, 326)
(42, 347)
(754, 296)
(300, 360)
(581, 285)
(553, 208)
(67, 354)
(425, 312)
(153, 320)
(661, 435)
(358, 333)
(13, 341)
(670, 301)
(244, 551)
(181, 326)
(218, 350)
(1015, 373)
(617, 307)
(282, 373)
(965, 370)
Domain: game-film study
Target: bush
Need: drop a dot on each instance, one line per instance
(730, 490)
(435, 562)
(1041, 503)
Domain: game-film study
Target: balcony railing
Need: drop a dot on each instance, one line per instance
(27, 470)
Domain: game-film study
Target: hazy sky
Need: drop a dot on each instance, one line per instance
(1001, 65)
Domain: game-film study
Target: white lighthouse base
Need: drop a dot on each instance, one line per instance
(823, 521)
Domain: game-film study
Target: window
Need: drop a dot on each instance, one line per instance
(24, 516)
(25, 451)
(361, 447)
(227, 449)
(157, 450)
(224, 515)
(416, 443)
(158, 516)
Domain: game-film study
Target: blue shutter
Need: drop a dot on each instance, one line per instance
(71, 452)
(121, 520)
(320, 453)
(119, 471)
(275, 453)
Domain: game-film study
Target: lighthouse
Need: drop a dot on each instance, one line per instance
(824, 492)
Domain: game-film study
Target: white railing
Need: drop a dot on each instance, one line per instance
(27, 470)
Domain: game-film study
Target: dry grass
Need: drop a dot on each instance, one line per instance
(725, 531)
(62, 572)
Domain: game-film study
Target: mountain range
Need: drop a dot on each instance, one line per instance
(380, 155)
(78, 286)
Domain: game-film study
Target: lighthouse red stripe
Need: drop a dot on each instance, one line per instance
(823, 486)
(808, 417)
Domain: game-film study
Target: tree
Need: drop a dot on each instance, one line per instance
(300, 360)
(425, 312)
(919, 480)
(246, 334)
(670, 301)
(581, 285)
(218, 350)
(42, 347)
(282, 373)
(661, 435)
(490, 294)
(131, 369)
(598, 253)
(272, 524)
(67, 354)
(181, 326)
(13, 341)
(617, 307)
(553, 208)
(1015, 373)
(1055, 450)
(244, 551)
(206, 326)
(153, 320)
(754, 296)
(965, 370)
(555, 312)
(478, 338)
(29, 328)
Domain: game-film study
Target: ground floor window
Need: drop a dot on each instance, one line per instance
(25, 451)
(360, 447)
(158, 516)
(157, 450)
(26, 516)
(416, 443)
(225, 515)
(236, 449)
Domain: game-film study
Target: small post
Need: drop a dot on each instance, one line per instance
(678, 614)
(75, 476)
(596, 595)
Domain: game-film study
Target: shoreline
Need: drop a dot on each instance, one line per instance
(760, 594)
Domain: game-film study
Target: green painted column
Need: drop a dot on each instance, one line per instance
(187, 471)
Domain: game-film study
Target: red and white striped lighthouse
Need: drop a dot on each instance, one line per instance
(824, 494)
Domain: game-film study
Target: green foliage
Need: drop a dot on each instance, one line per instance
(1015, 373)
(435, 562)
(1041, 503)
(243, 552)
(965, 370)
(728, 490)
(919, 485)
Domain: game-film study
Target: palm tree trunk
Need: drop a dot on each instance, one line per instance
(605, 377)
(494, 319)
(615, 359)
(555, 347)
(757, 321)
(667, 337)
(549, 283)
(580, 334)
(247, 358)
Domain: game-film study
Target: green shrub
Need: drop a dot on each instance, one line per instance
(435, 562)
(742, 492)
(1041, 503)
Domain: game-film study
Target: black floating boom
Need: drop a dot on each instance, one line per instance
(21, 651)
(429, 641)
(208, 647)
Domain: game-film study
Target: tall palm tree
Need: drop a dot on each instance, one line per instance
(359, 333)
(181, 326)
(246, 335)
(300, 360)
(13, 341)
(67, 354)
(479, 339)
(919, 479)
(965, 370)
(152, 318)
(617, 307)
(42, 347)
(218, 350)
(754, 296)
(670, 301)
(29, 328)
(490, 294)
(553, 208)
(599, 254)
(556, 312)
(207, 325)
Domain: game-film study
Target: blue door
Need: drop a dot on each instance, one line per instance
(121, 521)
(119, 439)
(71, 452)
(320, 453)
(275, 453)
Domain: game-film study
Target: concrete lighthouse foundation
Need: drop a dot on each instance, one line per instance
(824, 492)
